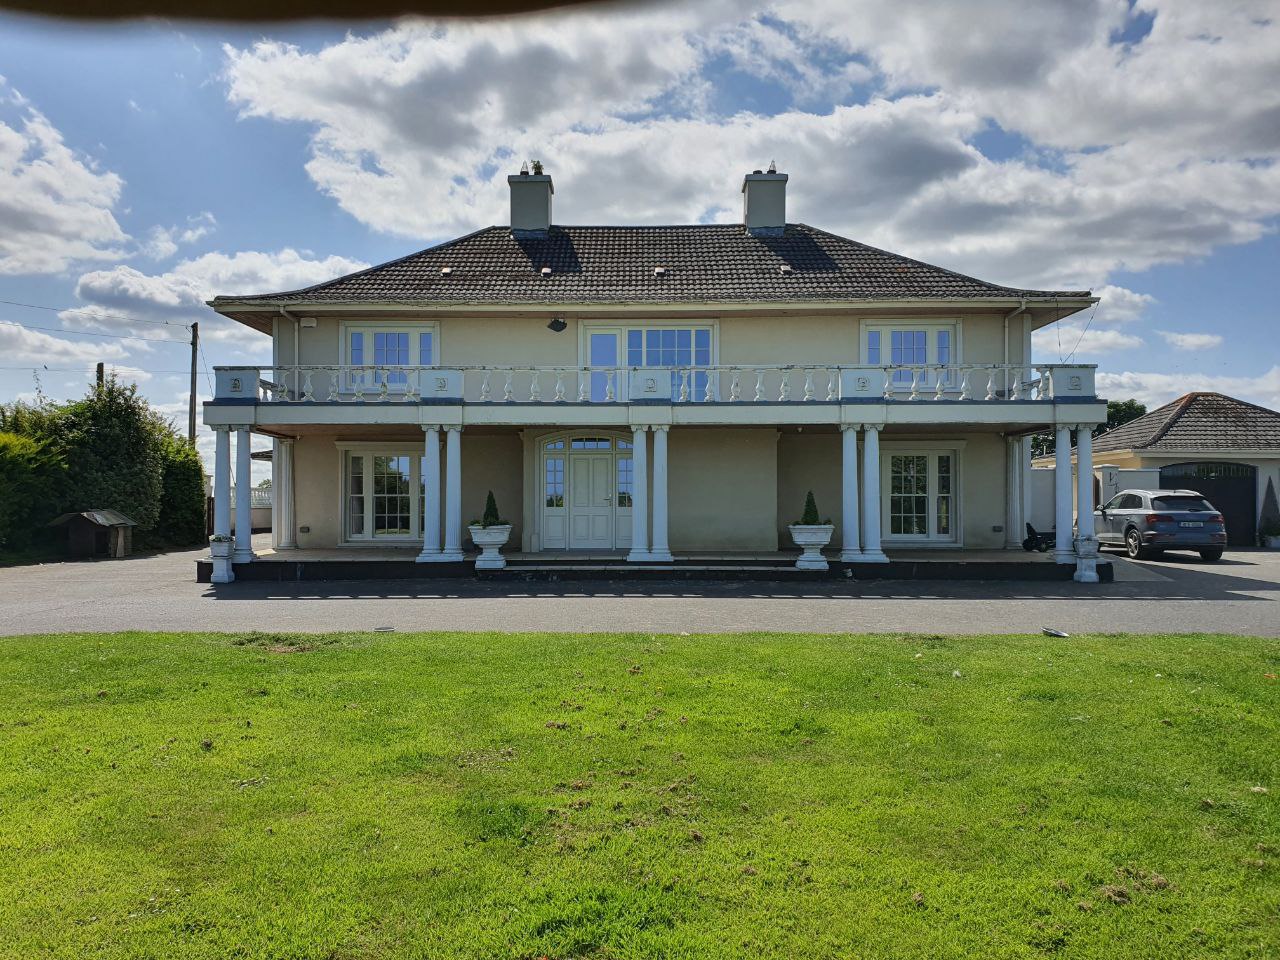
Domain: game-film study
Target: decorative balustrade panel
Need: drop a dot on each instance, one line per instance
(721, 384)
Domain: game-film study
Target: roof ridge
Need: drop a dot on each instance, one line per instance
(1181, 405)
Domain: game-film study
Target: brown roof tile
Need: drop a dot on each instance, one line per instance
(714, 262)
(1197, 421)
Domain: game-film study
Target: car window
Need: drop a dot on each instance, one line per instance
(1114, 502)
(1130, 501)
(1181, 503)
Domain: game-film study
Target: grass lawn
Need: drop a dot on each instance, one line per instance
(446, 795)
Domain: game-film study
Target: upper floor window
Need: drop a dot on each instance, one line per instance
(390, 345)
(908, 345)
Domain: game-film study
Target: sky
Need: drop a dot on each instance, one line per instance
(1129, 148)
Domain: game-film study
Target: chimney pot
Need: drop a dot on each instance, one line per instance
(764, 203)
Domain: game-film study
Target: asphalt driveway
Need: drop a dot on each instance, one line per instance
(1173, 595)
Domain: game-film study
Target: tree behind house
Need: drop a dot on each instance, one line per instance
(1119, 412)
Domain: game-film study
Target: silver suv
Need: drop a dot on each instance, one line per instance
(1148, 522)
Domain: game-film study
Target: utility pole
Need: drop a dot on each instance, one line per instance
(191, 404)
(100, 374)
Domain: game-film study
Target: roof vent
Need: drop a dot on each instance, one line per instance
(659, 271)
(785, 268)
(546, 271)
(445, 271)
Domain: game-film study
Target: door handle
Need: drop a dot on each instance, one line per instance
(608, 499)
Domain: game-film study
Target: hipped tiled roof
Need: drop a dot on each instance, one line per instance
(704, 263)
(1197, 421)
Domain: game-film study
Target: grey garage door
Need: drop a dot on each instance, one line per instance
(1231, 487)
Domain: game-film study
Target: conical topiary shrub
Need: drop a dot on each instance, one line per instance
(1269, 520)
(490, 518)
(810, 516)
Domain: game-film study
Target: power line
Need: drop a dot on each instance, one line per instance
(114, 366)
(90, 333)
(90, 310)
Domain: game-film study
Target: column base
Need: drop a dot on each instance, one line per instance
(287, 546)
(452, 556)
(1086, 570)
(243, 556)
(871, 556)
(638, 556)
(1064, 556)
(851, 556)
(428, 556)
(222, 572)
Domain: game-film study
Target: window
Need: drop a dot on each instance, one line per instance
(921, 495)
(912, 345)
(385, 498)
(1194, 504)
(380, 346)
(624, 481)
(555, 480)
(679, 347)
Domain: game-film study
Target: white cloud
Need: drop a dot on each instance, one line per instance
(124, 299)
(18, 345)
(1191, 341)
(163, 242)
(414, 128)
(1156, 389)
(1119, 305)
(56, 208)
(1075, 338)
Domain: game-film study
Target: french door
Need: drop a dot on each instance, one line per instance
(383, 496)
(587, 484)
(919, 496)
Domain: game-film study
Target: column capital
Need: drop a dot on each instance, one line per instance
(452, 428)
(877, 427)
(660, 427)
(846, 427)
(428, 427)
(640, 427)
(221, 428)
(288, 441)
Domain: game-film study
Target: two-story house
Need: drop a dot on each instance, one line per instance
(653, 391)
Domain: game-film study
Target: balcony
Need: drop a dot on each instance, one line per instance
(710, 385)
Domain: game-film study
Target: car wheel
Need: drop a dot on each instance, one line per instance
(1212, 554)
(1133, 546)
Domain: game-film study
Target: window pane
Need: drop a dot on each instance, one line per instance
(873, 347)
(635, 348)
(702, 347)
(426, 349)
(624, 481)
(355, 497)
(391, 496)
(554, 480)
(944, 346)
(357, 348)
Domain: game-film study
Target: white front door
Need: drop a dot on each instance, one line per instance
(591, 501)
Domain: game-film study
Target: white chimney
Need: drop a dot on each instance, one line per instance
(764, 202)
(531, 201)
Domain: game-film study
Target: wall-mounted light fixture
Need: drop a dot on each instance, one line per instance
(557, 325)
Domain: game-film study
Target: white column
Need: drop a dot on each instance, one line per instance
(850, 551)
(639, 494)
(660, 549)
(1013, 532)
(220, 552)
(1086, 542)
(275, 494)
(1063, 551)
(283, 522)
(871, 552)
(244, 488)
(1024, 459)
(431, 489)
(452, 494)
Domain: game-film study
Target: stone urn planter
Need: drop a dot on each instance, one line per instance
(220, 551)
(490, 540)
(490, 535)
(811, 536)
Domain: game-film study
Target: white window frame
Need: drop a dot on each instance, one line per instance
(931, 328)
(615, 452)
(930, 449)
(623, 326)
(370, 327)
(369, 450)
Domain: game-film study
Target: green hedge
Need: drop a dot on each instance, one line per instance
(113, 451)
(32, 487)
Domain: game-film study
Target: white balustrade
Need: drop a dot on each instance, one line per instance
(711, 384)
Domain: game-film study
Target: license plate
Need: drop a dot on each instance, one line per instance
(1191, 523)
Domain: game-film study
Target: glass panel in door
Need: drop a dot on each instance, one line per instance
(602, 352)
(908, 495)
(392, 500)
